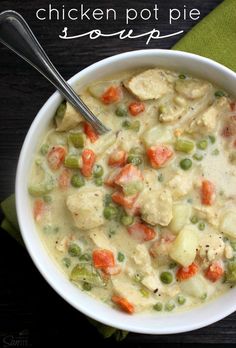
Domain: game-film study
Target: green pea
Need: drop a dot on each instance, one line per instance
(198, 157)
(169, 306)
(120, 257)
(98, 181)
(181, 299)
(71, 162)
(47, 199)
(166, 277)
(212, 139)
(194, 219)
(126, 124)
(85, 257)
(135, 126)
(107, 200)
(38, 161)
(134, 159)
(44, 149)
(66, 262)
(158, 307)
(87, 286)
(185, 164)
(74, 250)
(203, 297)
(121, 110)
(219, 94)
(202, 145)
(144, 292)
(215, 152)
(98, 171)
(77, 139)
(184, 145)
(127, 220)
(110, 212)
(201, 226)
(77, 180)
(182, 77)
(172, 265)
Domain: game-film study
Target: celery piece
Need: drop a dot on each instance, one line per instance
(86, 273)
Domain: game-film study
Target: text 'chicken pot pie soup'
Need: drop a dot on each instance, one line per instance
(142, 218)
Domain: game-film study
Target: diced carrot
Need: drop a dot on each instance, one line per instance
(112, 95)
(141, 232)
(125, 201)
(112, 270)
(184, 273)
(207, 192)
(214, 272)
(159, 155)
(129, 173)
(103, 259)
(90, 132)
(117, 158)
(123, 304)
(56, 157)
(88, 160)
(38, 209)
(64, 179)
(136, 108)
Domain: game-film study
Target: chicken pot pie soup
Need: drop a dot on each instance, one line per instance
(142, 218)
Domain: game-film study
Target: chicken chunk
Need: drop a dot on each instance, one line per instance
(211, 246)
(150, 84)
(206, 121)
(70, 120)
(142, 259)
(143, 264)
(171, 112)
(180, 184)
(123, 288)
(156, 207)
(210, 214)
(86, 207)
(192, 88)
(100, 239)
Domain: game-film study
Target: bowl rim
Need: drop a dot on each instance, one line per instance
(36, 258)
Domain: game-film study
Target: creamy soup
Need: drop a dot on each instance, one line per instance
(142, 218)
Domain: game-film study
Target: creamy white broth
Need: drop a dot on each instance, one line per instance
(173, 246)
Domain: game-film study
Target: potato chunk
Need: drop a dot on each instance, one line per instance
(228, 224)
(150, 84)
(156, 207)
(181, 215)
(86, 207)
(183, 249)
(197, 286)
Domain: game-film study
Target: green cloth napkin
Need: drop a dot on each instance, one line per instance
(214, 37)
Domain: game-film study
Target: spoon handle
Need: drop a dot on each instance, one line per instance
(17, 35)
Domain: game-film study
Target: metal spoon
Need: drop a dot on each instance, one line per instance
(17, 35)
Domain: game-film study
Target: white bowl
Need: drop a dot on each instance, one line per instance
(141, 323)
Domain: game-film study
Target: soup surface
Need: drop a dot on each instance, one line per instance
(142, 218)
